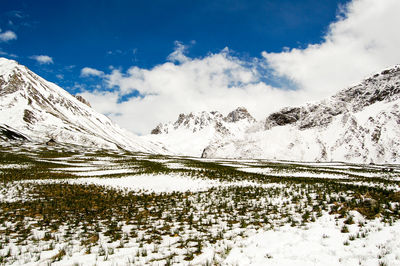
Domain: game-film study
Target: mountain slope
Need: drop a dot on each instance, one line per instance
(358, 124)
(40, 110)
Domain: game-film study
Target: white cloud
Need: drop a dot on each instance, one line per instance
(7, 36)
(42, 59)
(2, 53)
(363, 40)
(178, 55)
(216, 82)
(88, 71)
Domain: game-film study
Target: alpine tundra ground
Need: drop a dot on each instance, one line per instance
(73, 206)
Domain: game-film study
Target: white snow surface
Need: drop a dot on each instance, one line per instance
(348, 138)
(151, 183)
(154, 183)
(320, 243)
(191, 133)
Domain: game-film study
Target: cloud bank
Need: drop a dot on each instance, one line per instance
(7, 36)
(363, 40)
(42, 59)
(216, 82)
(88, 71)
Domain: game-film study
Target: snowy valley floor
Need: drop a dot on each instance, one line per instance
(67, 206)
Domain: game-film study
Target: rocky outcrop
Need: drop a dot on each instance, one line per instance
(82, 100)
(8, 133)
(239, 114)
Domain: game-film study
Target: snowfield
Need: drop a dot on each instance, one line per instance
(94, 207)
(321, 243)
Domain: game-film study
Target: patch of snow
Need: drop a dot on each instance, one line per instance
(14, 166)
(104, 172)
(320, 243)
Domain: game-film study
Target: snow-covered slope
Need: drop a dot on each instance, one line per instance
(191, 133)
(359, 124)
(40, 110)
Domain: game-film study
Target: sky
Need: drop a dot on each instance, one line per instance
(145, 62)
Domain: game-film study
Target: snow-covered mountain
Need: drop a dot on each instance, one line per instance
(34, 109)
(191, 133)
(358, 124)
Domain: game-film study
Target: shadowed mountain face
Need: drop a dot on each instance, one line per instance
(40, 110)
(7, 133)
(358, 124)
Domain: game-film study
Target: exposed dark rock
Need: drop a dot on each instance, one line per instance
(29, 117)
(82, 100)
(220, 128)
(239, 114)
(157, 130)
(180, 119)
(8, 133)
(284, 117)
(51, 142)
(14, 84)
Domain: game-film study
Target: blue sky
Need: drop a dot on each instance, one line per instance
(142, 33)
(144, 62)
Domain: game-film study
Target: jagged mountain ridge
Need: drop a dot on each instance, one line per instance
(40, 110)
(191, 133)
(359, 124)
(198, 121)
(383, 87)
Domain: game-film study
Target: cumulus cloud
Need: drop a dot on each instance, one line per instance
(88, 71)
(7, 36)
(217, 82)
(361, 41)
(42, 59)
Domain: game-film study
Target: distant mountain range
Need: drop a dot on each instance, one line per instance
(359, 124)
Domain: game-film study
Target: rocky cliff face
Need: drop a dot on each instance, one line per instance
(383, 87)
(40, 110)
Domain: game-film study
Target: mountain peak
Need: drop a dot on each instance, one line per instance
(40, 110)
(82, 100)
(200, 120)
(239, 114)
(9, 67)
